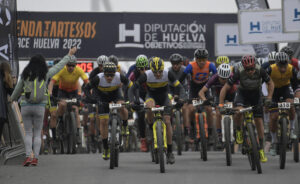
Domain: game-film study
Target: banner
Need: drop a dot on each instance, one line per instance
(263, 26)
(227, 41)
(125, 35)
(8, 39)
(291, 15)
(262, 50)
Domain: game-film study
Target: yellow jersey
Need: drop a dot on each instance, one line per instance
(68, 81)
(281, 79)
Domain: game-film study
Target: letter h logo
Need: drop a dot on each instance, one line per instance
(296, 15)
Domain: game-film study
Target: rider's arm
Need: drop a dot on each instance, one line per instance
(212, 68)
(50, 87)
(188, 70)
(92, 84)
(179, 90)
(202, 93)
(294, 79)
(83, 76)
(266, 78)
(79, 88)
(133, 92)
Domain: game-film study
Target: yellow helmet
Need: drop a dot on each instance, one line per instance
(156, 64)
(221, 60)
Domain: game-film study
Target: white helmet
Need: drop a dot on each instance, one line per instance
(224, 71)
(260, 61)
(101, 60)
(272, 56)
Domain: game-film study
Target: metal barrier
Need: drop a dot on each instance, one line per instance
(13, 135)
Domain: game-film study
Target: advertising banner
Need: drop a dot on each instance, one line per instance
(227, 41)
(263, 26)
(291, 15)
(125, 35)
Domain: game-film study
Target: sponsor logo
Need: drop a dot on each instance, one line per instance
(231, 40)
(255, 28)
(162, 36)
(296, 15)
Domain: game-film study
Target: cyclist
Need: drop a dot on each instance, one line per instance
(101, 60)
(177, 69)
(157, 80)
(293, 61)
(69, 87)
(251, 77)
(216, 82)
(141, 65)
(115, 60)
(107, 88)
(284, 76)
(200, 70)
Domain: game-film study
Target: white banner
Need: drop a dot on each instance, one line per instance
(263, 26)
(291, 15)
(227, 41)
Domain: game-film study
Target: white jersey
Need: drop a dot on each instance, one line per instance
(113, 85)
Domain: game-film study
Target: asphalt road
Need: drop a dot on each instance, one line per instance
(136, 168)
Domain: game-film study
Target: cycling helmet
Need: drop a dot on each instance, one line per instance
(224, 71)
(201, 53)
(260, 61)
(141, 61)
(109, 67)
(222, 59)
(114, 59)
(288, 50)
(176, 58)
(73, 60)
(282, 58)
(271, 57)
(248, 61)
(156, 64)
(101, 60)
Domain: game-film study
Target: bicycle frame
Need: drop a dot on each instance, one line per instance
(158, 117)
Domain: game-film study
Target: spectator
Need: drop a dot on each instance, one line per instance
(6, 87)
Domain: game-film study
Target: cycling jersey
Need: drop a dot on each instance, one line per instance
(199, 76)
(214, 82)
(281, 79)
(143, 87)
(296, 63)
(249, 82)
(68, 81)
(177, 75)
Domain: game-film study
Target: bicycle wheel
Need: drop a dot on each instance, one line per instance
(227, 132)
(283, 141)
(203, 141)
(113, 143)
(72, 132)
(160, 145)
(178, 133)
(117, 157)
(296, 141)
(254, 147)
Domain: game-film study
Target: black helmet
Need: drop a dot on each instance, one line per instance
(288, 50)
(114, 59)
(282, 58)
(201, 53)
(109, 67)
(176, 58)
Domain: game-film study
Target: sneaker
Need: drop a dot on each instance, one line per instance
(143, 145)
(27, 162)
(292, 134)
(239, 137)
(273, 149)
(106, 154)
(262, 156)
(170, 158)
(34, 162)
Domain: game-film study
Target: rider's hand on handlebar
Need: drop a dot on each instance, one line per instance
(268, 102)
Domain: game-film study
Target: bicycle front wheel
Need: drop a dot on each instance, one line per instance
(227, 133)
(254, 148)
(160, 145)
(113, 143)
(203, 141)
(178, 132)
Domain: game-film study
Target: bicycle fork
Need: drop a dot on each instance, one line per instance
(164, 128)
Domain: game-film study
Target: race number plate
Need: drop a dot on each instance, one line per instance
(228, 105)
(284, 105)
(115, 106)
(197, 102)
(157, 109)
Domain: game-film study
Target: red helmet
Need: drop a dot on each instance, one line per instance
(248, 61)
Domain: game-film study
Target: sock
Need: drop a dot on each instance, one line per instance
(292, 126)
(186, 131)
(274, 137)
(170, 148)
(105, 144)
(53, 130)
(261, 143)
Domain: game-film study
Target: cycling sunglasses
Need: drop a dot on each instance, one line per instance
(71, 65)
(249, 69)
(109, 74)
